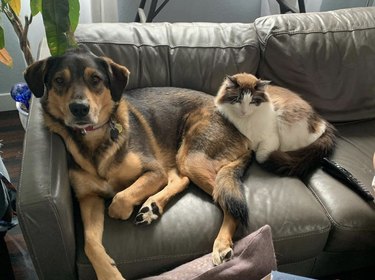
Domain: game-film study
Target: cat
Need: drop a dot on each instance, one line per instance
(288, 137)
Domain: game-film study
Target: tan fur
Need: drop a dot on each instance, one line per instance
(105, 162)
(244, 81)
(176, 184)
(117, 176)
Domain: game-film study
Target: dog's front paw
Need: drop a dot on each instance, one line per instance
(222, 252)
(120, 208)
(147, 214)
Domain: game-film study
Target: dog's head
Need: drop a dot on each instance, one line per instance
(78, 88)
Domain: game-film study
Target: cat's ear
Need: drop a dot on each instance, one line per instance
(261, 84)
(231, 81)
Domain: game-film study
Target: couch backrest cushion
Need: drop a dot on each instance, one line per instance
(191, 55)
(329, 58)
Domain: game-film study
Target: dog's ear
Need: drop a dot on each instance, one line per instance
(34, 77)
(118, 78)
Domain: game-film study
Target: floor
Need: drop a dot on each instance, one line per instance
(11, 137)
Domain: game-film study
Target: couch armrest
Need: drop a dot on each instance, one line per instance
(44, 202)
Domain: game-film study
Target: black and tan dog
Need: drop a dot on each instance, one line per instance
(139, 147)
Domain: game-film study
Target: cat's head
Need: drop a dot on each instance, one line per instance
(242, 94)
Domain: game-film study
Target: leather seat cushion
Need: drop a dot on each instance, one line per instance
(352, 218)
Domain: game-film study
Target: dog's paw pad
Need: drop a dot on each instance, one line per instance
(221, 257)
(147, 214)
(228, 255)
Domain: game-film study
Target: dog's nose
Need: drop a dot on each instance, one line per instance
(79, 110)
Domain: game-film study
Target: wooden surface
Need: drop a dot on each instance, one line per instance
(11, 137)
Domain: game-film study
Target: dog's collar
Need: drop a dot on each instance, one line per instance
(115, 129)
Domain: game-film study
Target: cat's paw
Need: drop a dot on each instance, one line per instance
(261, 156)
(147, 214)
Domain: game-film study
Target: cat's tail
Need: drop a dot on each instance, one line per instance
(302, 162)
(229, 190)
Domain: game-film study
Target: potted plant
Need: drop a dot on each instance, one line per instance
(60, 19)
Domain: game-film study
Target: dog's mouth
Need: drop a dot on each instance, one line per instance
(82, 124)
(85, 126)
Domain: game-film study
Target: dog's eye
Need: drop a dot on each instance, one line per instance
(59, 81)
(95, 80)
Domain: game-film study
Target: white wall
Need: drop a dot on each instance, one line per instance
(10, 76)
(226, 10)
(196, 10)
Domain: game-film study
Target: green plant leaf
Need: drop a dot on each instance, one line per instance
(2, 40)
(4, 2)
(36, 6)
(57, 25)
(74, 8)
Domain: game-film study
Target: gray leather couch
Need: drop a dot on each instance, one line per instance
(320, 227)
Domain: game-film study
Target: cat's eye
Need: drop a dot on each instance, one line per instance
(256, 100)
(234, 100)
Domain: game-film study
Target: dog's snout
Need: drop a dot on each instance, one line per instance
(79, 110)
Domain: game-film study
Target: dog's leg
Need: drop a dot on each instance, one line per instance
(228, 193)
(154, 205)
(146, 185)
(202, 171)
(221, 179)
(222, 249)
(92, 212)
(87, 188)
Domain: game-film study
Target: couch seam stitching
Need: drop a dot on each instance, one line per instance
(291, 33)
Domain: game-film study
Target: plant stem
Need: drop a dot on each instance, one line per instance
(21, 32)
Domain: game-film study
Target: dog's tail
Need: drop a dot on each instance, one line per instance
(301, 162)
(229, 191)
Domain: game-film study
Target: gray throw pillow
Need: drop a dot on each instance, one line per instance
(254, 258)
